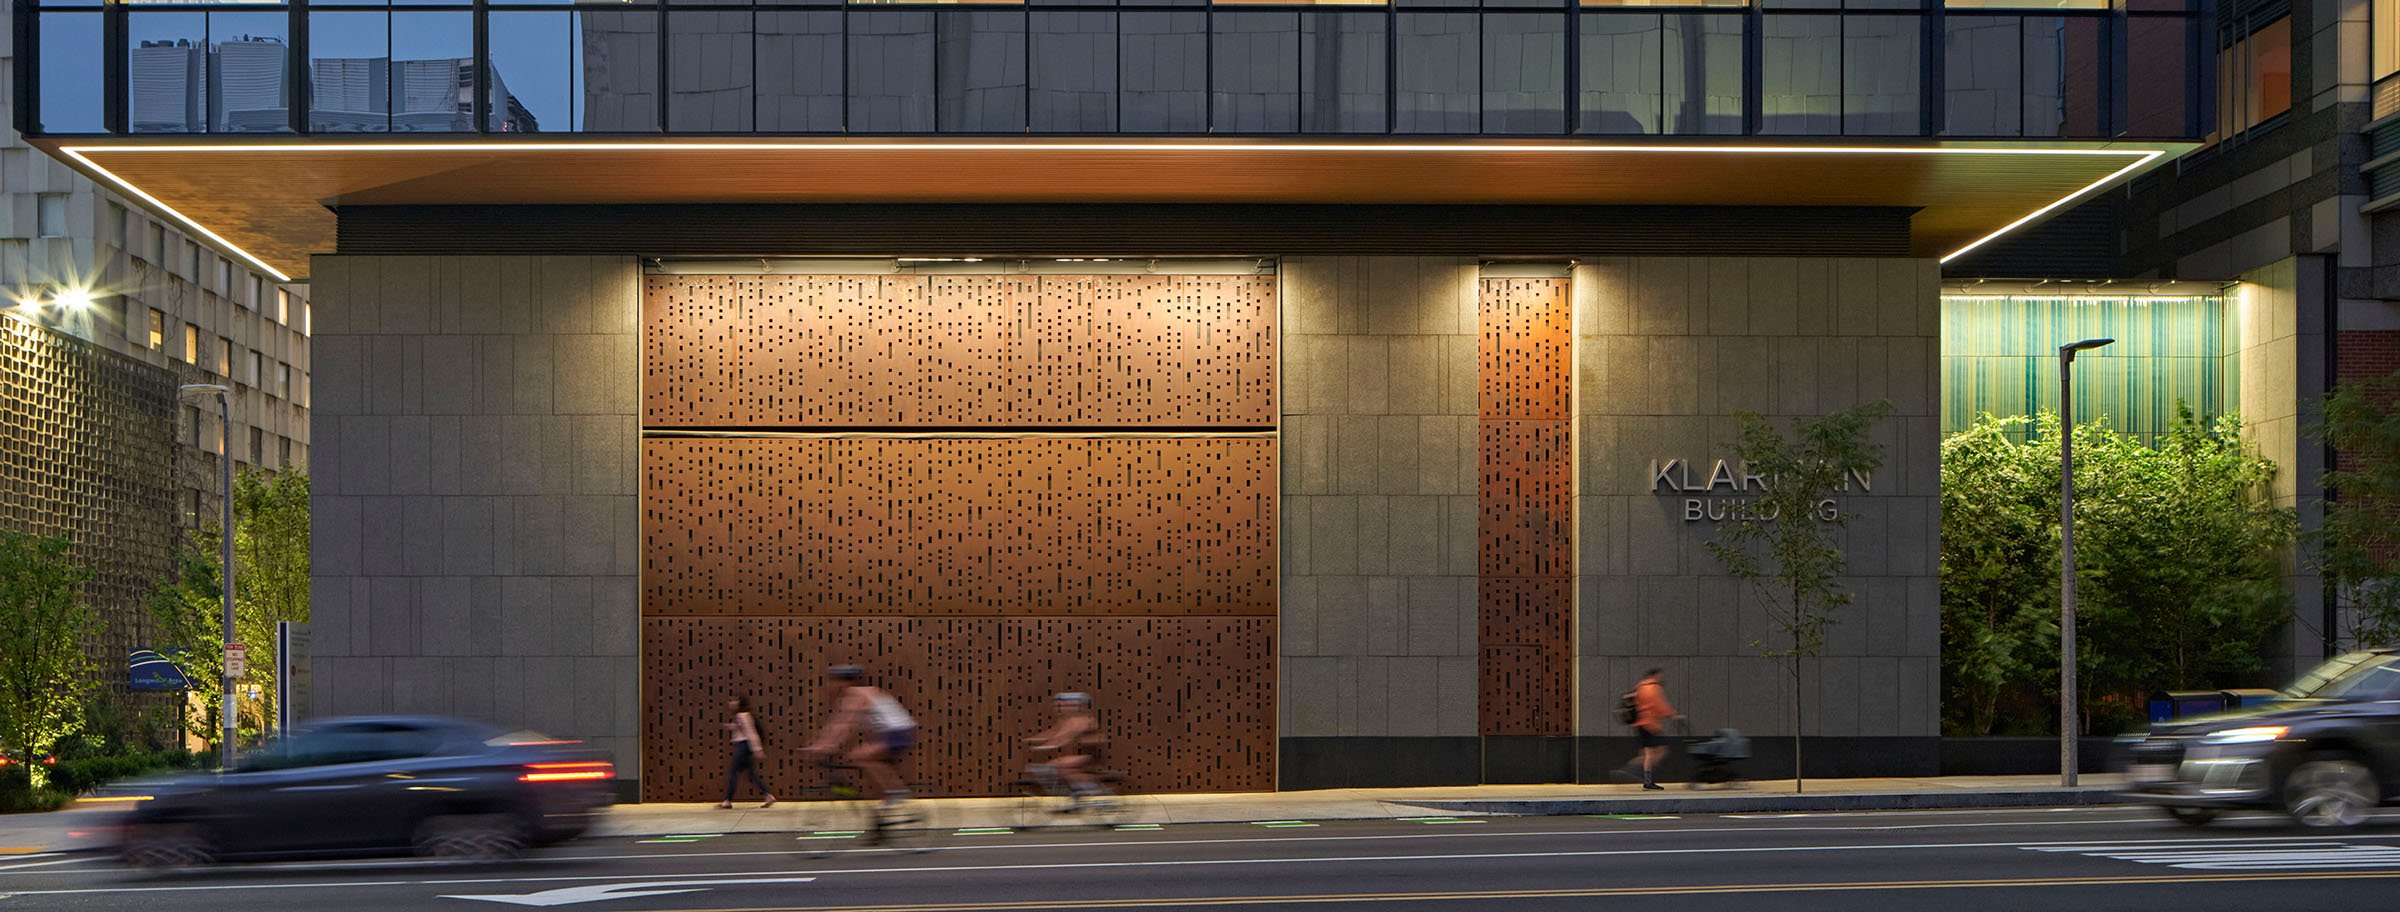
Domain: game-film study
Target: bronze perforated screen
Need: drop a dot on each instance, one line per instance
(1525, 592)
(987, 489)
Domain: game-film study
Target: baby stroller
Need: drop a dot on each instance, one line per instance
(1715, 759)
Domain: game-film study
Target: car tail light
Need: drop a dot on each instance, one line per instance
(587, 771)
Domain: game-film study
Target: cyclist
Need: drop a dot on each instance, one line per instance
(1070, 741)
(889, 732)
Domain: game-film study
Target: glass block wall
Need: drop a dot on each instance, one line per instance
(2000, 355)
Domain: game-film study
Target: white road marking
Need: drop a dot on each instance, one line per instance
(567, 896)
(52, 861)
(2256, 855)
(1171, 863)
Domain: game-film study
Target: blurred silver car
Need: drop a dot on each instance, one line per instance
(434, 786)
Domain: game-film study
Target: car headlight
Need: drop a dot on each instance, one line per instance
(2251, 735)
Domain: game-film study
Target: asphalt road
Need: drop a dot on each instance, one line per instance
(2085, 858)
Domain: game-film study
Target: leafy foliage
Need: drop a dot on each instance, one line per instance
(2179, 569)
(2359, 545)
(44, 670)
(270, 552)
(1784, 544)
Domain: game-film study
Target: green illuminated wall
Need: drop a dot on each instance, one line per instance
(2000, 355)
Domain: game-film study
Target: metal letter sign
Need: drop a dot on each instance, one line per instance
(234, 653)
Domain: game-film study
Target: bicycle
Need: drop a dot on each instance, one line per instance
(1043, 796)
(907, 827)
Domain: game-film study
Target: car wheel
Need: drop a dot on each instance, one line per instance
(2331, 791)
(165, 846)
(2192, 816)
(470, 837)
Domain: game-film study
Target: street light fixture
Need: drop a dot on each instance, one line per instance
(2067, 715)
(224, 549)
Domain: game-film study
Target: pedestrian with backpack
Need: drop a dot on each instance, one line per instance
(1645, 707)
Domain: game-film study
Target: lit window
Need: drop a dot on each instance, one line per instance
(2254, 75)
(191, 343)
(224, 357)
(51, 221)
(158, 329)
(2387, 37)
(283, 305)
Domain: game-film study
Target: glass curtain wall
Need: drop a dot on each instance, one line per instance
(2074, 69)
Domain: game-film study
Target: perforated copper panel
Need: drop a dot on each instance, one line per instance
(766, 526)
(1525, 349)
(1188, 702)
(959, 351)
(1525, 562)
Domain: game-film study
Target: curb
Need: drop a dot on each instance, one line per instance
(1739, 804)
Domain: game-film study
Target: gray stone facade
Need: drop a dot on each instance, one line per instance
(1668, 351)
(1379, 515)
(476, 540)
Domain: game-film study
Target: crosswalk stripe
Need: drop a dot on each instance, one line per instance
(2263, 855)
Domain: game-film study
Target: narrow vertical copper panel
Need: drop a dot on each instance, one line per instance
(1188, 702)
(959, 351)
(1526, 343)
(1525, 558)
(767, 526)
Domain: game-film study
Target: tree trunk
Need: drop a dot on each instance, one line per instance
(1799, 782)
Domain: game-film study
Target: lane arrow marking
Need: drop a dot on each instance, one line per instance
(565, 896)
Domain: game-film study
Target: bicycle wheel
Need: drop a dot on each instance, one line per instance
(908, 827)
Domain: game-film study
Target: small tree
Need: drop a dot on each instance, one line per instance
(1785, 544)
(270, 553)
(2359, 544)
(44, 627)
(1999, 567)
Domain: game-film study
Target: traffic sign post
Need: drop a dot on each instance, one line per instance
(235, 653)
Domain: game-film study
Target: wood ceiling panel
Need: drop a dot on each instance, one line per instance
(271, 198)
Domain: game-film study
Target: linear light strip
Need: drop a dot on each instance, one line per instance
(171, 212)
(2138, 165)
(2144, 157)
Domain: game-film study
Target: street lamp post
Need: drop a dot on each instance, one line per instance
(224, 551)
(2067, 715)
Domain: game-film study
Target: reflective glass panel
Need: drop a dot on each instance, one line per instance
(166, 72)
(1438, 74)
(1623, 70)
(709, 74)
(1163, 69)
(1800, 83)
(891, 71)
(799, 63)
(1881, 70)
(433, 72)
(1342, 69)
(1073, 73)
(533, 83)
(1524, 73)
(2065, 58)
(616, 59)
(70, 77)
(253, 68)
(1704, 61)
(349, 71)
(981, 72)
(1255, 72)
(1983, 90)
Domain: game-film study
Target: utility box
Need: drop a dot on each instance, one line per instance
(2169, 705)
(2250, 697)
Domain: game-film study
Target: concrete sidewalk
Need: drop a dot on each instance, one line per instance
(1459, 801)
(82, 826)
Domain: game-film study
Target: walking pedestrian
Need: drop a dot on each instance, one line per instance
(747, 749)
(1647, 705)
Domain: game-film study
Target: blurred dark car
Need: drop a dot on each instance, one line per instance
(437, 787)
(2327, 752)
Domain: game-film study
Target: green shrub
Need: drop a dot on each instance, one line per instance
(17, 794)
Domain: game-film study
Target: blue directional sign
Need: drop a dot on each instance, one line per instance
(152, 671)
